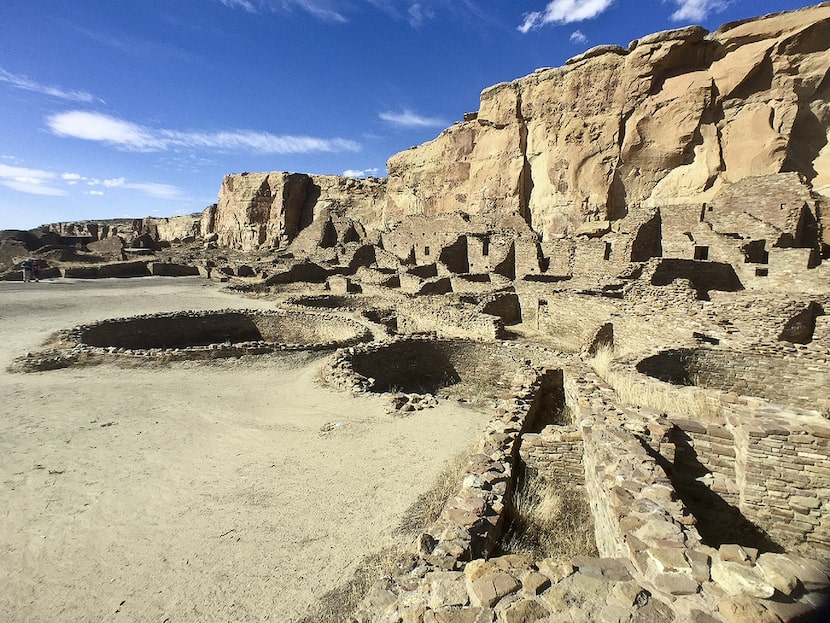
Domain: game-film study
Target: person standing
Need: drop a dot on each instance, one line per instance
(36, 270)
(27, 270)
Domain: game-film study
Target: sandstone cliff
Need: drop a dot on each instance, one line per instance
(678, 119)
(159, 229)
(674, 119)
(270, 209)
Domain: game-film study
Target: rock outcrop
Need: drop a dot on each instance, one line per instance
(685, 145)
(261, 210)
(674, 119)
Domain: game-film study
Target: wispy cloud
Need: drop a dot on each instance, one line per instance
(325, 10)
(130, 45)
(242, 4)
(30, 181)
(416, 13)
(151, 189)
(697, 10)
(564, 12)
(408, 119)
(41, 182)
(156, 191)
(361, 172)
(419, 14)
(92, 126)
(25, 84)
(577, 36)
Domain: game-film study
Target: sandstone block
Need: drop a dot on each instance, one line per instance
(524, 611)
(744, 610)
(487, 590)
(669, 560)
(730, 552)
(447, 589)
(463, 615)
(778, 572)
(676, 583)
(737, 579)
(556, 570)
(534, 583)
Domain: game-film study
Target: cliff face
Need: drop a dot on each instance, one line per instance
(674, 119)
(268, 209)
(167, 229)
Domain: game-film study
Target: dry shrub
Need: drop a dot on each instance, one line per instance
(550, 520)
(659, 397)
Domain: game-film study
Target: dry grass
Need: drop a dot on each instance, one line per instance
(550, 521)
(426, 509)
(659, 397)
(339, 604)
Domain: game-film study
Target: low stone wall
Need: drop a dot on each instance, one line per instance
(789, 374)
(195, 335)
(427, 361)
(99, 271)
(447, 321)
(167, 269)
(655, 566)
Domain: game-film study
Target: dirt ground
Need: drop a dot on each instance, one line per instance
(239, 490)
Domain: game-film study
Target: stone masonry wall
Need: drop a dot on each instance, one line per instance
(788, 374)
(557, 453)
(783, 471)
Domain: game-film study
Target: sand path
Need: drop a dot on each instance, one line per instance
(190, 492)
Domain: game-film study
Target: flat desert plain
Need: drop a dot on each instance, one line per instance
(236, 490)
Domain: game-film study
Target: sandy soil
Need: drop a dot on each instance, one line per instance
(193, 491)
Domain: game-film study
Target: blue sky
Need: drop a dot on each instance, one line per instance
(127, 108)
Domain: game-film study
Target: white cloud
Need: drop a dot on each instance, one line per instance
(696, 10)
(564, 12)
(577, 36)
(40, 182)
(361, 172)
(324, 10)
(418, 14)
(25, 84)
(242, 4)
(408, 119)
(157, 191)
(130, 136)
(338, 11)
(31, 181)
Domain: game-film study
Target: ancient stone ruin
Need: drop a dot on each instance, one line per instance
(627, 257)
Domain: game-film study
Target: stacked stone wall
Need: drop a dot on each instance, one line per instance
(783, 470)
(789, 374)
(555, 452)
(712, 447)
(447, 321)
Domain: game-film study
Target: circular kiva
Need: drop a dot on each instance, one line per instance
(210, 334)
(421, 365)
(751, 372)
